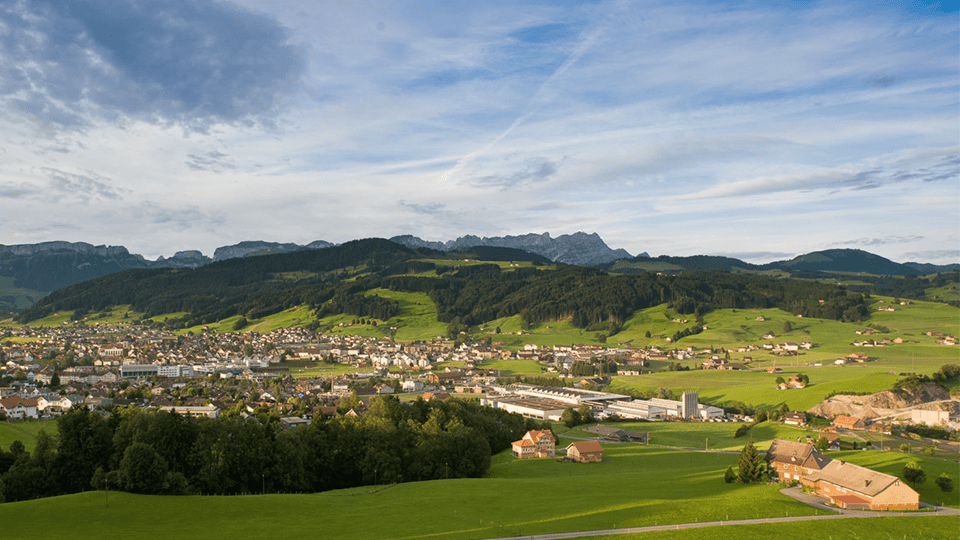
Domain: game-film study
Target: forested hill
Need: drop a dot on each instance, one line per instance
(334, 280)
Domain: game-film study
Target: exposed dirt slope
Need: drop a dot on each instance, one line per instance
(930, 397)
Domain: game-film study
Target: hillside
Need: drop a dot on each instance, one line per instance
(334, 280)
(845, 260)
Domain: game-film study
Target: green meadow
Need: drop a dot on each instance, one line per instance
(884, 528)
(25, 432)
(637, 486)
(19, 297)
(892, 463)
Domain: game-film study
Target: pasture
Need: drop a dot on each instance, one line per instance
(636, 486)
(25, 432)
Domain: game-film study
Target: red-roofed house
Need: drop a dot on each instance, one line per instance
(535, 444)
(794, 460)
(18, 409)
(585, 451)
(858, 488)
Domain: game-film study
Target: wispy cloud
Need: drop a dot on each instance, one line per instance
(943, 256)
(210, 161)
(910, 239)
(82, 187)
(533, 171)
(18, 190)
(428, 209)
(849, 177)
(182, 218)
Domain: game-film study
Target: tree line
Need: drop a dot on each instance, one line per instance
(156, 452)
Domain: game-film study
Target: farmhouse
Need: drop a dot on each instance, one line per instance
(795, 418)
(585, 451)
(858, 488)
(535, 444)
(792, 383)
(794, 460)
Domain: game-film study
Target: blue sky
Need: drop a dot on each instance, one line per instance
(750, 129)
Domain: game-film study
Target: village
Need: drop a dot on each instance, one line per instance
(50, 369)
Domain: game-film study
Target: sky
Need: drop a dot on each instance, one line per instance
(758, 130)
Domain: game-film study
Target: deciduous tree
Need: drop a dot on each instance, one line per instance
(913, 473)
(945, 483)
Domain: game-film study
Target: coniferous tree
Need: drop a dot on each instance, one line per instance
(729, 476)
(750, 466)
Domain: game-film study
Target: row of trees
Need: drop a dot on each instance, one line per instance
(165, 453)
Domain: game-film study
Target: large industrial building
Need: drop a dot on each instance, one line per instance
(549, 402)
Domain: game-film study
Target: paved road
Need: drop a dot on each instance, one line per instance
(790, 492)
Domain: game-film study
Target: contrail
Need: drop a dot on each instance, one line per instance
(540, 99)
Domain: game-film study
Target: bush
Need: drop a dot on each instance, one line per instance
(729, 476)
(945, 483)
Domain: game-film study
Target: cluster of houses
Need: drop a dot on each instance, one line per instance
(542, 444)
(844, 484)
(943, 339)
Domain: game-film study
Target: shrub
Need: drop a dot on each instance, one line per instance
(945, 483)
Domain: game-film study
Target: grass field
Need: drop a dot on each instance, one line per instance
(885, 528)
(25, 432)
(21, 298)
(637, 486)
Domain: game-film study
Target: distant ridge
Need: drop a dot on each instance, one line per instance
(38, 269)
(579, 248)
(845, 260)
(252, 247)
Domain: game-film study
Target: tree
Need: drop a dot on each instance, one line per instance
(570, 417)
(822, 444)
(750, 467)
(779, 380)
(913, 473)
(945, 483)
(905, 448)
(586, 414)
(248, 350)
(787, 327)
(729, 476)
(142, 470)
(240, 324)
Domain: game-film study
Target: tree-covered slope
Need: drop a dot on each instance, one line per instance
(333, 280)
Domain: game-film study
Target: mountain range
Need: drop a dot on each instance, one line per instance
(30, 271)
